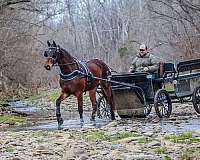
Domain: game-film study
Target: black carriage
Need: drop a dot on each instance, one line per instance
(136, 93)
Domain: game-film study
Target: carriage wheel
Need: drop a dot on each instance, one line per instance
(103, 108)
(162, 103)
(147, 109)
(196, 99)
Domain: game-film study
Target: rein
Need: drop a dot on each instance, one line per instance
(65, 64)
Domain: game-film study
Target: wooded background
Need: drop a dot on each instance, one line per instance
(110, 30)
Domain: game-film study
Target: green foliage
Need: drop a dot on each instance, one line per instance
(102, 136)
(167, 158)
(9, 149)
(143, 140)
(54, 95)
(183, 138)
(191, 153)
(122, 51)
(122, 135)
(11, 119)
(160, 150)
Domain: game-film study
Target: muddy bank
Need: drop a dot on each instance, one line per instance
(177, 137)
(125, 139)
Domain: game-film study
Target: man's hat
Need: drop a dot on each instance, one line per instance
(143, 46)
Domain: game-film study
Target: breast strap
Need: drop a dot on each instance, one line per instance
(83, 71)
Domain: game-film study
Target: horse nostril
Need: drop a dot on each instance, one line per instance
(47, 67)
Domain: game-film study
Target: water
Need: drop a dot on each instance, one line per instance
(189, 125)
(71, 120)
(22, 106)
(178, 126)
(71, 124)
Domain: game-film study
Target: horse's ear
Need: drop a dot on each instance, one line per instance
(58, 47)
(54, 43)
(48, 43)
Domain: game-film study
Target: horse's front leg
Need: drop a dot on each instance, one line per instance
(80, 106)
(58, 114)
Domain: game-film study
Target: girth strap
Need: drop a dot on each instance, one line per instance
(85, 70)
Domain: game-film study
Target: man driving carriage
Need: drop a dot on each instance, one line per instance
(144, 61)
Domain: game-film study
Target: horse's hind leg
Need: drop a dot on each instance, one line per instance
(58, 114)
(107, 93)
(92, 94)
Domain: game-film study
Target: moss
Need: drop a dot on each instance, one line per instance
(92, 152)
(183, 138)
(195, 139)
(167, 158)
(144, 140)
(160, 150)
(40, 141)
(190, 153)
(40, 133)
(95, 136)
(122, 51)
(102, 136)
(11, 119)
(9, 149)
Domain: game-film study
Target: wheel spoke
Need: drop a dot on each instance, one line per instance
(162, 103)
(166, 108)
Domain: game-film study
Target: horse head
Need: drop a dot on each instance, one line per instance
(52, 54)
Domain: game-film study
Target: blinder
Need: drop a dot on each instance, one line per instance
(52, 53)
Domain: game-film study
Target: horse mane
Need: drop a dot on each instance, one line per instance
(66, 53)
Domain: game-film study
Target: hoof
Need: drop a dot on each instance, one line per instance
(81, 120)
(92, 119)
(59, 127)
(60, 121)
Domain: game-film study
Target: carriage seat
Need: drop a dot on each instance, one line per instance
(165, 69)
(189, 65)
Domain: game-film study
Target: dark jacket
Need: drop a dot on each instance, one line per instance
(147, 60)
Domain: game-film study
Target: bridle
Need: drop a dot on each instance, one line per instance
(55, 60)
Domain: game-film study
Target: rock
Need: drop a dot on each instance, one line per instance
(45, 152)
(78, 151)
(41, 148)
(129, 139)
(83, 157)
(3, 125)
(115, 146)
(148, 133)
(140, 156)
(154, 144)
(16, 158)
(111, 124)
(104, 152)
(156, 119)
